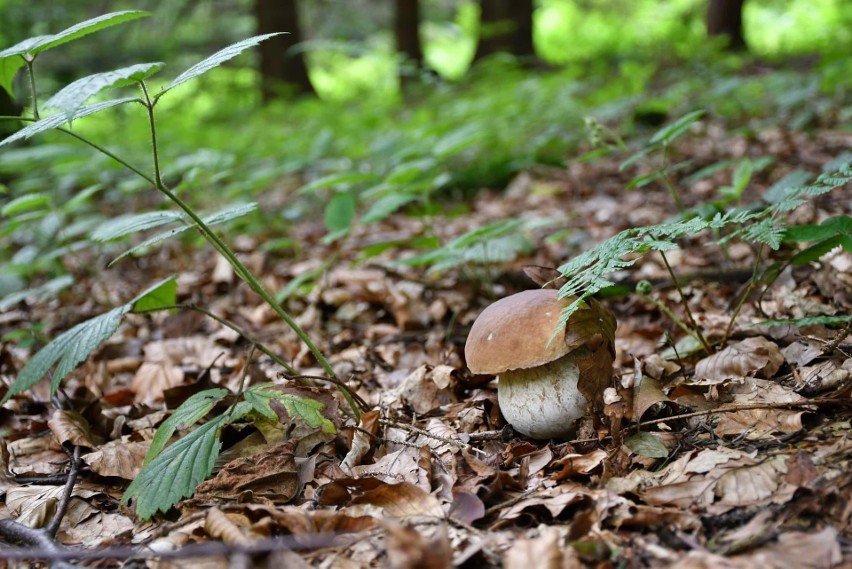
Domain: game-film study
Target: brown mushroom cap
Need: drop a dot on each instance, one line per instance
(515, 333)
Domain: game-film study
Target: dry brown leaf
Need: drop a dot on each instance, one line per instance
(427, 388)
(409, 548)
(121, 458)
(573, 464)
(751, 357)
(220, 526)
(97, 530)
(373, 497)
(554, 500)
(759, 423)
(72, 428)
(152, 378)
(544, 552)
(270, 474)
(361, 440)
(795, 550)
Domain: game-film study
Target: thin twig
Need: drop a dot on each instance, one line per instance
(452, 442)
(53, 527)
(511, 501)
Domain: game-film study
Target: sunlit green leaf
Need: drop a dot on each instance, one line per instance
(160, 295)
(27, 202)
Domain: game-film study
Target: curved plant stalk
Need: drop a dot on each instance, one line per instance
(696, 330)
(217, 242)
(211, 237)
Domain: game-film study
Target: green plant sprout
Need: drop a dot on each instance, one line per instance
(200, 447)
(764, 226)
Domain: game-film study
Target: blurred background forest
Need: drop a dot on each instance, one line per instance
(388, 119)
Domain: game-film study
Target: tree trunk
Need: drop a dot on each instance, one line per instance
(725, 17)
(507, 26)
(491, 38)
(279, 64)
(521, 14)
(407, 32)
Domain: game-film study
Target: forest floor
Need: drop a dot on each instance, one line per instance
(756, 469)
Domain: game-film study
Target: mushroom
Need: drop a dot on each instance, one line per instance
(538, 370)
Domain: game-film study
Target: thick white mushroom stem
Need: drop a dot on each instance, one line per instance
(543, 402)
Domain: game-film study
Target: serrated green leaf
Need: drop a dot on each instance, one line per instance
(831, 227)
(646, 444)
(816, 251)
(177, 471)
(670, 132)
(215, 60)
(782, 187)
(36, 45)
(59, 119)
(158, 296)
(72, 96)
(27, 202)
(195, 408)
(69, 348)
(131, 223)
(335, 181)
(339, 212)
(820, 320)
(228, 213)
(310, 410)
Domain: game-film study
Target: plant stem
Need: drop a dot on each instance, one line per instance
(227, 324)
(749, 287)
(31, 73)
(698, 334)
(667, 311)
(149, 105)
(668, 183)
(94, 145)
(217, 242)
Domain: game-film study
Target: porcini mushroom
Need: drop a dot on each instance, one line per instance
(538, 371)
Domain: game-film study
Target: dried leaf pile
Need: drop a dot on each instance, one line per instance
(741, 458)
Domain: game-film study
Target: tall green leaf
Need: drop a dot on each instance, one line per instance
(59, 119)
(38, 44)
(177, 471)
(670, 132)
(228, 213)
(215, 60)
(72, 96)
(132, 222)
